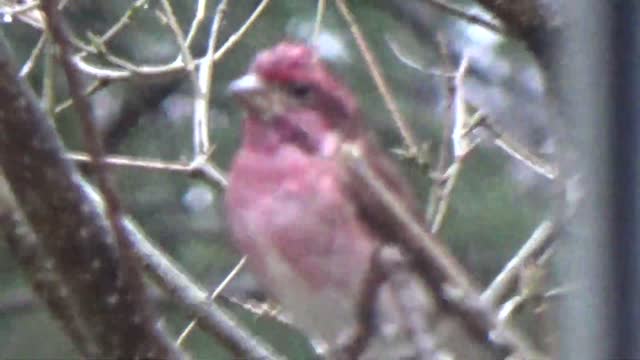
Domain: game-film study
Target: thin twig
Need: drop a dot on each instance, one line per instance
(211, 318)
(459, 136)
(33, 57)
(203, 87)
(99, 42)
(317, 25)
(519, 151)
(540, 239)
(445, 148)
(199, 169)
(90, 90)
(49, 72)
(212, 297)
(510, 306)
(367, 299)
(134, 162)
(176, 68)
(101, 83)
(437, 267)
(235, 37)
(471, 18)
(201, 8)
(190, 296)
(443, 197)
(187, 58)
(123, 21)
(376, 73)
(461, 146)
(259, 309)
(413, 63)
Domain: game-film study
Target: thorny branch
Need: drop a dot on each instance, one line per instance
(540, 239)
(461, 145)
(437, 266)
(128, 272)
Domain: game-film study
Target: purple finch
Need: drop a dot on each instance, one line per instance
(309, 235)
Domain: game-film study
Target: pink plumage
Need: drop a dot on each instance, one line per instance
(309, 237)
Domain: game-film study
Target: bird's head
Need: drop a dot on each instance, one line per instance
(290, 84)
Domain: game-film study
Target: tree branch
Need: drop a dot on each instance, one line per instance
(73, 231)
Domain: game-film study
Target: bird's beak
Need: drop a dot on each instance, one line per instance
(247, 85)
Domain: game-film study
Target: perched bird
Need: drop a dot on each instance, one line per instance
(308, 233)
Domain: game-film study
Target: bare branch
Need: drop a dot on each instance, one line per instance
(533, 247)
(176, 68)
(187, 58)
(211, 318)
(46, 187)
(187, 294)
(461, 146)
(378, 77)
(460, 13)
(437, 267)
(144, 337)
(365, 328)
(517, 150)
(201, 8)
(41, 271)
(235, 37)
(203, 87)
(33, 57)
(212, 296)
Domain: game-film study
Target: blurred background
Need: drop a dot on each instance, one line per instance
(496, 203)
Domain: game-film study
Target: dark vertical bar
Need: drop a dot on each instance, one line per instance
(600, 108)
(624, 105)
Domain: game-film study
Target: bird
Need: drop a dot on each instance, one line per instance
(310, 234)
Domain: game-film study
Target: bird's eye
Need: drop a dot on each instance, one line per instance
(299, 91)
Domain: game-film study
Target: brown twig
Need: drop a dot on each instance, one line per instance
(365, 327)
(142, 337)
(41, 270)
(437, 267)
(518, 151)
(90, 90)
(211, 318)
(461, 145)
(45, 185)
